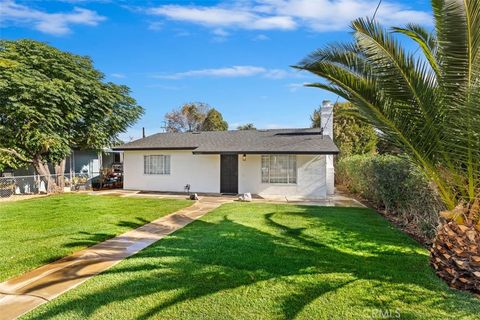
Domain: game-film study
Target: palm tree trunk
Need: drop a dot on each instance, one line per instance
(455, 255)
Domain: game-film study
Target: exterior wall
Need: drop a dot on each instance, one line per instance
(85, 161)
(311, 178)
(330, 175)
(202, 172)
(79, 161)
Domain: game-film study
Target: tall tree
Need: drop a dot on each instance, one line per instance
(248, 126)
(428, 107)
(214, 121)
(351, 133)
(51, 101)
(189, 117)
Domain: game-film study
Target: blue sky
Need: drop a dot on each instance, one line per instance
(233, 55)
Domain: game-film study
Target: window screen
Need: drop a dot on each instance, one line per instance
(279, 168)
(156, 164)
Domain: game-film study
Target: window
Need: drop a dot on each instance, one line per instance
(279, 168)
(158, 164)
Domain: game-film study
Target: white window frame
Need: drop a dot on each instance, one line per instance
(266, 171)
(156, 164)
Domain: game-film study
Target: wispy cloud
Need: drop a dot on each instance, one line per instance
(51, 23)
(163, 87)
(220, 32)
(293, 87)
(224, 16)
(118, 75)
(155, 26)
(317, 15)
(231, 72)
(260, 37)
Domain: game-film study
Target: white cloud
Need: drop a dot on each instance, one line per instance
(277, 74)
(232, 72)
(164, 87)
(155, 26)
(51, 23)
(295, 86)
(218, 16)
(220, 32)
(228, 72)
(118, 75)
(260, 37)
(317, 15)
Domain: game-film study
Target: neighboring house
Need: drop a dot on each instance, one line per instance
(292, 163)
(86, 162)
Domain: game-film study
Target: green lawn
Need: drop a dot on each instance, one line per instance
(37, 231)
(262, 261)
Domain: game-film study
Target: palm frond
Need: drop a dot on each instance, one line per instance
(426, 41)
(428, 106)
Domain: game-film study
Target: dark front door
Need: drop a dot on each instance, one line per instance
(229, 173)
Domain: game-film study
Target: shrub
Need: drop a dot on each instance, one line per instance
(393, 184)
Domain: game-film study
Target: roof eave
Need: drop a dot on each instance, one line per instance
(268, 152)
(151, 148)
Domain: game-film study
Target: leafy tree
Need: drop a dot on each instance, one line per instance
(429, 107)
(248, 126)
(351, 133)
(214, 121)
(51, 101)
(187, 118)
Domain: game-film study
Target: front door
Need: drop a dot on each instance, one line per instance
(229, 173)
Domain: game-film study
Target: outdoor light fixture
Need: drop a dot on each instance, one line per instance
(244, 158)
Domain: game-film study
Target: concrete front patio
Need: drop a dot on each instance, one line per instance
(337, 200)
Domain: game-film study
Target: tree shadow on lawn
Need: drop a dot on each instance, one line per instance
(88, 239)
(210, 257)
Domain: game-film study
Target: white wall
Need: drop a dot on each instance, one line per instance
(202, 172)
(311, 178)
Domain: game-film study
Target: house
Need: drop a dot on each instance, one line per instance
(292, 163)
(84, 162)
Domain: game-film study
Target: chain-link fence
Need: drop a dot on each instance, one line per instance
(37, 184)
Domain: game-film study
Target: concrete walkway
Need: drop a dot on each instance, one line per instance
(26, 292)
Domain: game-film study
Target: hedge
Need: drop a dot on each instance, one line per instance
(393, 184)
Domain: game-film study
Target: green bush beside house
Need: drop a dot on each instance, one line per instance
(393, 184)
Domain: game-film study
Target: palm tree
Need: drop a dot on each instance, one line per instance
(427, 103)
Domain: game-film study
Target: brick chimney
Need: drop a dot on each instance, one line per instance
(327, 125)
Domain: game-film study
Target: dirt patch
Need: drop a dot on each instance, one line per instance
(15, 197)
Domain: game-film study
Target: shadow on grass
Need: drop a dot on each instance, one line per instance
(210, 257)
(133, 224)
(87, 239)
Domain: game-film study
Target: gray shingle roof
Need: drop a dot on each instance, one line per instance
(300, 141)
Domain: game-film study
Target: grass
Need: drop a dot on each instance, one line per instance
(264, 261)
(37, 231)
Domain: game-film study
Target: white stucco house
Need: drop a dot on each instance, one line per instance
(291, 163)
